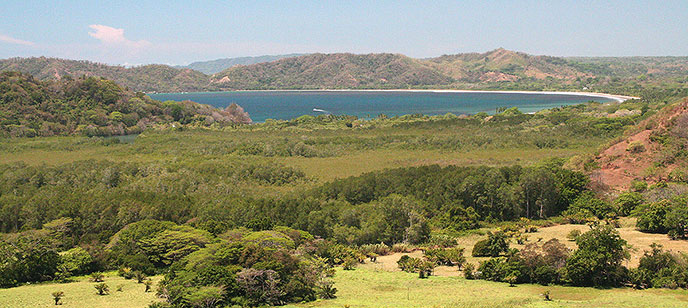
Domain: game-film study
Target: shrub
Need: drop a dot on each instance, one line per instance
(57, 297)
(349, 263)
(447, 256)
(625, 203)
(597, 262)
(588, 204)
(140, 277)
(125, 272)
(638, 186)
(636, 147)
(468, 271)
(495, 245)
(400, 247)
(409, 264)
(573, 235)
(148, 283)
(76, 260)
(651, 216)
(96, 277)
(102, 289)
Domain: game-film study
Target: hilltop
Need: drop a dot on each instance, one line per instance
(94, 107)
(502, 65)
(146, 78)
(218, 65)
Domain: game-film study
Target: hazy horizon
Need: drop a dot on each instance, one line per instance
(174, 33)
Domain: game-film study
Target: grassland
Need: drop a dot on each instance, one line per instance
(370, 288)
(80, 293)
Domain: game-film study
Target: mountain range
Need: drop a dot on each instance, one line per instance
(496, 69)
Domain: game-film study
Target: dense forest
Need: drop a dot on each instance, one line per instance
(94, 107)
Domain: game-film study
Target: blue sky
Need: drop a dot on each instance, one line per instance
(179, 32)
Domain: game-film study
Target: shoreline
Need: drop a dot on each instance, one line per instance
(617, 98)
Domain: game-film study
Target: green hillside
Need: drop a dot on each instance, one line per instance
(146, 78)
(93, 106)
(216, 66)
(333, 71)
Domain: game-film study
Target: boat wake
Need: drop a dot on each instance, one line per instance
(320, 110)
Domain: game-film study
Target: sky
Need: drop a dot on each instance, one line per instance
(179, 32)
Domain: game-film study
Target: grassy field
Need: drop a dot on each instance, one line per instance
(80, 294)
(370, 288)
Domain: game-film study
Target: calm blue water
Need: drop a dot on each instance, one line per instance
(283, 105)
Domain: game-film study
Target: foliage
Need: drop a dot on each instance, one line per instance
(102, 288)
(495, 245)
(27, 257)
(57, 296)
(587, 205)
(664, 216)
(77, 261)
(660, 269)
(236, 269)
(626, 202)
(93, 107)
(598, 259)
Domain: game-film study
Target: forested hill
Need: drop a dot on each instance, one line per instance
(94, 107)
(499, 66)
(341, 70)
(498, 69)
(147, 78)
(505, 65)
(216, 66)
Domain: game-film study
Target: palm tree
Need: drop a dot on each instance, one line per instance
(102, 288)
(57, 296)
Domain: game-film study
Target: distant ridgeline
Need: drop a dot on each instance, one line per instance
(94, 107)
(498, 69)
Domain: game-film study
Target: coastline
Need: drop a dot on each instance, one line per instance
(617, 98)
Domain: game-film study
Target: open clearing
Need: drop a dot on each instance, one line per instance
(365, 287)
(80, 294)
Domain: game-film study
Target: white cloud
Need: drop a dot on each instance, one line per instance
(113, 36)
(11, 40)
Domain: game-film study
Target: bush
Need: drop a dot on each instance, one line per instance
(587, 204)
(77, 261)
(495, 245)
(468, 271)
(409, 264)
(102, 289)
(638, 186)
(449, 256)
(57, 297)
(573, 235)
(96, 277)
(349, 263)
(625, 203)
(636, 147)
(651, 216)
(597, 262)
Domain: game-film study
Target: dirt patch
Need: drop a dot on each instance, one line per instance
(620, 164)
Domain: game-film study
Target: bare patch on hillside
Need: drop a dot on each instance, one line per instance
(636, 157)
